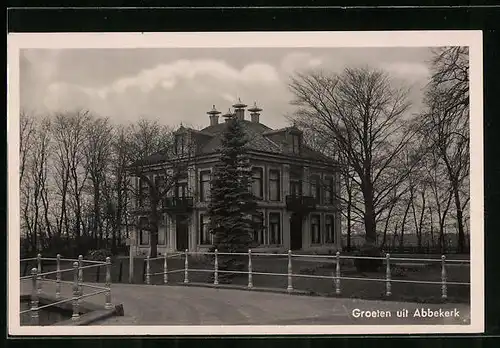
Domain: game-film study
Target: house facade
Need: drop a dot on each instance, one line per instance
(296, 189)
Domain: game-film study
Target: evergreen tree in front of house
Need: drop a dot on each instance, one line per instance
(232, 204)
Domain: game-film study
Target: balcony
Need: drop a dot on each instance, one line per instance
(300, 204)
(178, 204)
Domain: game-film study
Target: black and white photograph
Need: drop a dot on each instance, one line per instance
(245, 183)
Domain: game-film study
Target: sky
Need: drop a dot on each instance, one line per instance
(179, 85)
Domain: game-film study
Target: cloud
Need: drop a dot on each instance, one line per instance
(174, 88)
(181, 91)
(169, 75)
(45, 62)
(407, 70)
(295, 61)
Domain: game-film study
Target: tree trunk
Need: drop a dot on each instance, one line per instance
(403, 224)
(384, 239)
(349, 220)
(460, 223)
(419, 234)
(153, 221)
(432, 228)
(369, 217)
(97, 215)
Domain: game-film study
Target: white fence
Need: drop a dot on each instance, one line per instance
(336, 279)
(37, 278)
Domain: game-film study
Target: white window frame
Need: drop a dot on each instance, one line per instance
(280, 227)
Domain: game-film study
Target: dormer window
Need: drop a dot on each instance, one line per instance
(296, 143)
(180, 144)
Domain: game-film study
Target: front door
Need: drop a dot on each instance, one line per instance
(182, 236)
(296, 232)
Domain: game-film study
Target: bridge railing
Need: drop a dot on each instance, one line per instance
(37, 278)
(336, 277)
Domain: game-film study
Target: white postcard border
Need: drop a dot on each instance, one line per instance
(473, 39)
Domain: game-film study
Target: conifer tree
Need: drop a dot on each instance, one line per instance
(232, 205)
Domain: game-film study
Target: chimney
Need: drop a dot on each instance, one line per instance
(228, 115)
(214, 116)
(255, 113)
(239, 110)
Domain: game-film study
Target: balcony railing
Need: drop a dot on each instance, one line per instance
(178, 204)
(299, 204)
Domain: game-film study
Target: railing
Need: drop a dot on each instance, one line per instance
(38, 277)
(336, 278)
(178, 203)
(300, 203)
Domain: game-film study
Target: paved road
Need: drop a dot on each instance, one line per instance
(179, 305)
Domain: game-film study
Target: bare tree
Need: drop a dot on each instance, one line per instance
(39, 173)
(148, 138)
(446, 124)
(119, 180)
(69, 135)
(97, 160)
(363, 114)
(26, 143)
(27, 128)
(441, 196)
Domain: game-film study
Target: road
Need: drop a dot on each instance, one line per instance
(180, 305)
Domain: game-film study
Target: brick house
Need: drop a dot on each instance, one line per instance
(295, 185)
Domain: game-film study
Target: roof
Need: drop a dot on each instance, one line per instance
(261, 138)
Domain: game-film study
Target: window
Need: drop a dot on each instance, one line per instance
(257, 187)
(296, 143)
(315, 229)
(296, 182)
(258, 229)
(162, 231)
(143, 232)
(180, 144)
(206, 238)
(315, 188)
(274, 185)
(204, 186)
(329, 236)
(143, 192)
(181, 189)
(329, 190)
(274, 228)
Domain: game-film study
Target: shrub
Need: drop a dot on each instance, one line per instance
(307, 270)
(398, 271)
(368, 265)
(99, 254)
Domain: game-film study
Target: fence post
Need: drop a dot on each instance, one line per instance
(216, 268)
(250, 280)
(444, 290)
(289, 287)
(165, 269)
(337, 273)
(186, 266)
(388, 274)
(58, 276)
(80, 274)
(148, 270)
(108, 304)
(76, 312)
(34, 297)
(39, 271)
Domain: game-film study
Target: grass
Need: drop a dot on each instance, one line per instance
(201, 272)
